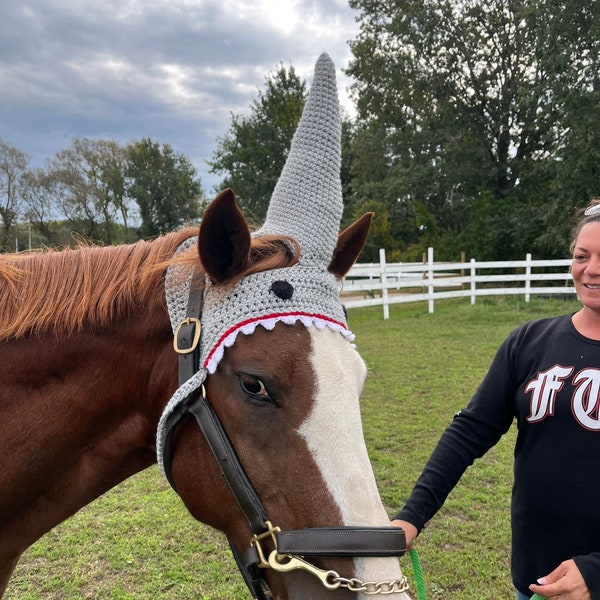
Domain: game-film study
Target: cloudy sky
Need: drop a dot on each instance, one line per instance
(171, 70)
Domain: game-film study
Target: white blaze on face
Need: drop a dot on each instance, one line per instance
(333, 433)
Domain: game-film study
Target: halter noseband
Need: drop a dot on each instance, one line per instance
(289, 546)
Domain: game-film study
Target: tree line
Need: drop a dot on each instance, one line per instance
(95, 190)
(477, 127)
(477, 130)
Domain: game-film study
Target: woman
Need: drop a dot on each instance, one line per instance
(546, 374)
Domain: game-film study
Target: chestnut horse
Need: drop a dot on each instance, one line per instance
(88, 365)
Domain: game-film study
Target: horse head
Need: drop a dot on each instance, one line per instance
(279, 376)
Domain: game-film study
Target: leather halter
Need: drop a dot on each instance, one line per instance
(323, 541)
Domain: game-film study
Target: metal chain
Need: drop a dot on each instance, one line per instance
(372, 588)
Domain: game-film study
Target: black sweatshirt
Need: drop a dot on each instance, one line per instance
(547, 376)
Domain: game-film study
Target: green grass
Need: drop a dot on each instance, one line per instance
(138, 542)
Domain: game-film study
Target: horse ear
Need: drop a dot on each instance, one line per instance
(224, 238)
(350, 243)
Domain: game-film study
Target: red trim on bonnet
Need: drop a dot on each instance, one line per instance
(263, 318)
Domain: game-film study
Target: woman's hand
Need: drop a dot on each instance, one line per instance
(564, 583)
(410, 531)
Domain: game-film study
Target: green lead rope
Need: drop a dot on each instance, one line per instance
(420, 582)
(418, 574)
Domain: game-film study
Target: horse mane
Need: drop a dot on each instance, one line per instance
(66, 291)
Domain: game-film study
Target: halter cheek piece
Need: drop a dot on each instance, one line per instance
(290, 546)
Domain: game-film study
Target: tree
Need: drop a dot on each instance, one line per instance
(164, 185)
(254, 151)
(88, 180)
(39, 192)
(13, 164)
(364, 185)
(476, 100)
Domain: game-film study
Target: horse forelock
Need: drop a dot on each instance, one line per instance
(61, 292)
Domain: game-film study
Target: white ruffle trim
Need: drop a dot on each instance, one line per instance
(216, 353)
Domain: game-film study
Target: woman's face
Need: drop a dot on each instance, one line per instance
(586, 266)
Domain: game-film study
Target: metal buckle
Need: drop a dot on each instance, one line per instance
(285, 562)
(259, 537)
(197, 330)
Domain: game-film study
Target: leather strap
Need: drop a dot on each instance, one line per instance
(187, 335)
(186, 340)
(224, 454)
(253, 575)
(228, 461)
(343, 541)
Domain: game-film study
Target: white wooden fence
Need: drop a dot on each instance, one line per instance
(382, 284)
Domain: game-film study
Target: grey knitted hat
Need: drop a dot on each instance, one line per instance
(306, 205)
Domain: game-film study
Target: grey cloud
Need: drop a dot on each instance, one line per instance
(172, 70)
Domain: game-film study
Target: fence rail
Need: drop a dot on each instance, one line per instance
(382, 284)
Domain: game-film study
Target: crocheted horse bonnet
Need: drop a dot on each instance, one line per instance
(306, 205)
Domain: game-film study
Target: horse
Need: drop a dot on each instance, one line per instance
(88, 366)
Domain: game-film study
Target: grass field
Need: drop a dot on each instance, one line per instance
(138, 542)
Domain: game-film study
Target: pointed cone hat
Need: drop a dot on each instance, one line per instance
(307, 201)
(306, 205)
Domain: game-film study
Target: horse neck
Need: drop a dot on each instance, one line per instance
(79, 415)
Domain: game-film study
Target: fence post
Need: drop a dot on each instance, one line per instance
(384, 290)
(473, 284)
(430, 288)
(528, 277)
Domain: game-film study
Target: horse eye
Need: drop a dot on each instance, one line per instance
(254, 387)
